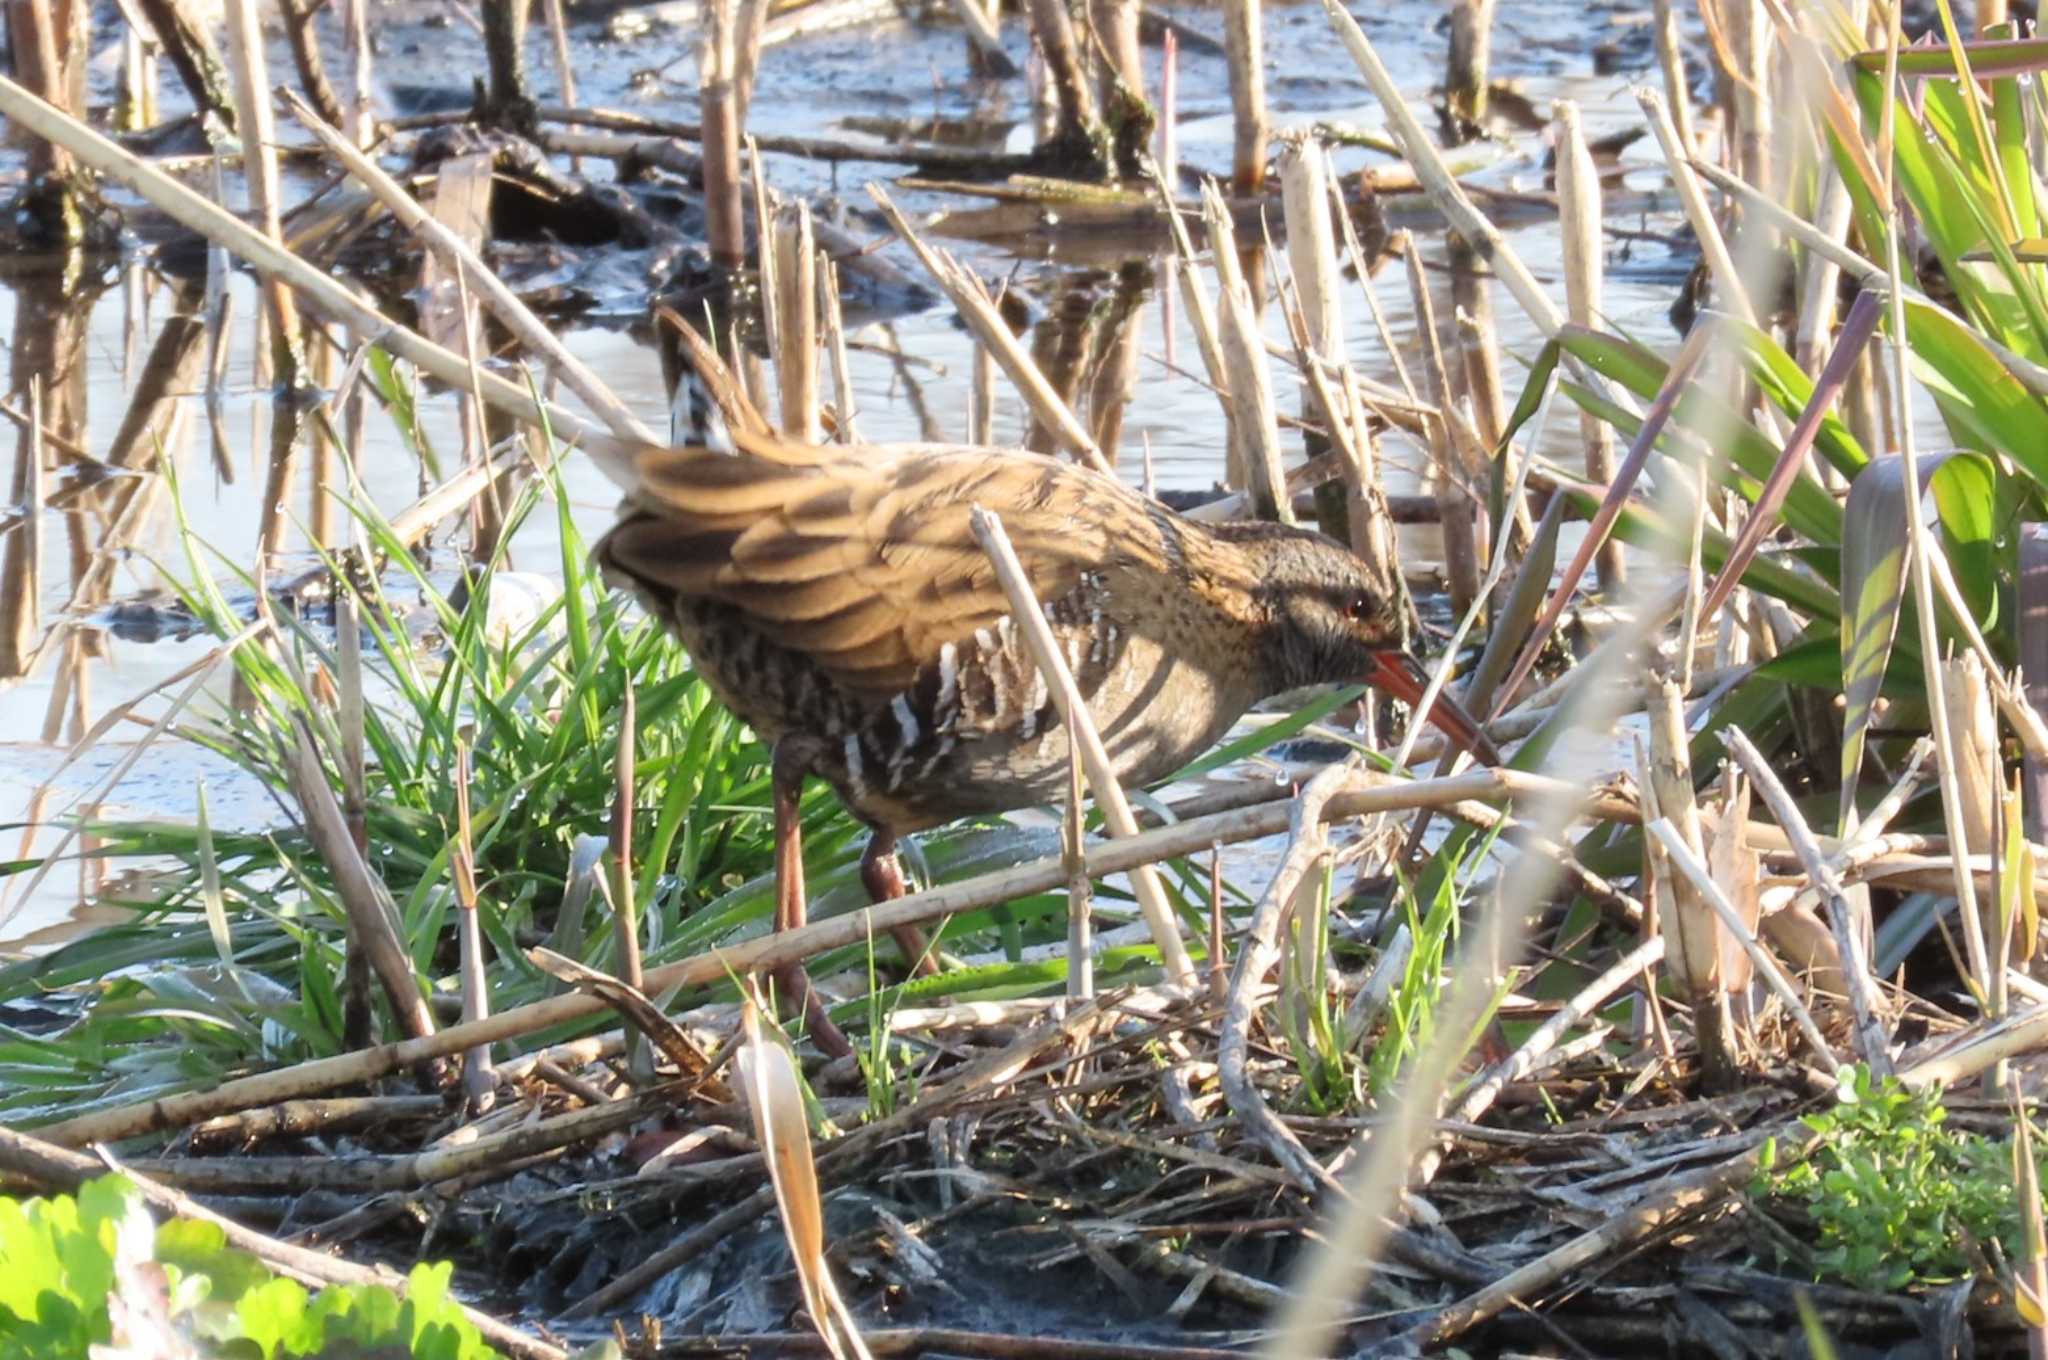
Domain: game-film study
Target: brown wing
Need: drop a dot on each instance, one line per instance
(863, 558)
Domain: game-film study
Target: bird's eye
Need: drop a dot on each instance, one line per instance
(1359, 610)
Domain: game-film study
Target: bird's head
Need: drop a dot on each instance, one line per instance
(1333, 619)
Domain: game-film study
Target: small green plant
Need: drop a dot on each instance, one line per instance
(1895, 1196)
(96, 1271)
(1320, 1036)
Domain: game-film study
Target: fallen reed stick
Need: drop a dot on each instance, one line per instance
(1383, 794)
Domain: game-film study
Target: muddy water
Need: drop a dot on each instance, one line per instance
(100, 640)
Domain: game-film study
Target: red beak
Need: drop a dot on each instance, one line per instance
(1402, 676)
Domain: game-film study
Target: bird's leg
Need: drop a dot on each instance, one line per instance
(881, 873)
(787, 778)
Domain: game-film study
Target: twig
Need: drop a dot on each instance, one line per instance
(1079, 725)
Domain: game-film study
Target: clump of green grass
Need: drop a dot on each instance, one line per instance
(88, 1271)
(1895, 1196)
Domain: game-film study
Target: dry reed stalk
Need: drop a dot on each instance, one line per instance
(845, 404)
(1244, 52)
(359, 118)
(981, 397)
(718, 100)
(1169, 135)
(47, 39)
(135, 107)
(302, 37)
(1730, 289)
(1254, 424)
(258, 128)
(1693, 941)
(1377, 794)
(1671, 61)
(1080, 889)
(1850, 931)
(1437, 181)
(978, 310)
(21, 565)
(749, 29)
(372, 915)
(1257, 954)
(1466, 76)
(565, 69)
(625, 911)
(479, 1082)
(1585, 261)
(1065, 73)
(1739, 868)
(1202, 320)
(351, 760)
(1979, 791)
(775, 1100)
(1122, 73)
(1079, 724)
(1922, 551)
(795, 303)
(1455, 506)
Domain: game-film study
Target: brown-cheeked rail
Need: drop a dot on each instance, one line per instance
(835, 599)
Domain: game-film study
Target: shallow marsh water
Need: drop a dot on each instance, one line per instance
(886, 74)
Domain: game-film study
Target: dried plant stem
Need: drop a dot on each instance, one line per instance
(1671, 60)
(1585, 259)
(1377, 794)
(1254, 423)
(978, 311)
(1244, 52)
(1690, 930)
(1465, 82)
(1460, 516)
(1850, 931)
(1702, 880)
(718, 107)
(1260, 950)
(1079, 725)
(796, 323)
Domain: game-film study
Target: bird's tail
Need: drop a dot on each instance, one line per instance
(709, 406)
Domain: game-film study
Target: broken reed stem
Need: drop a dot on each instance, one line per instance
(981, 397)
(1459, 514)
(1690, 930)
(1079, 724)
(1065, 72)
(1202, 320)
(795, 304)
(976, 308)
(1244, 52)
(479, 1083)
(1671, 60)
(1254, 423)
(1257, 953)
(1850, 930)
(372, 915)
(1465, 82)
(1080, 889)
(1702, 881)
(845, 404)
(718, 109)
(1585, 262)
